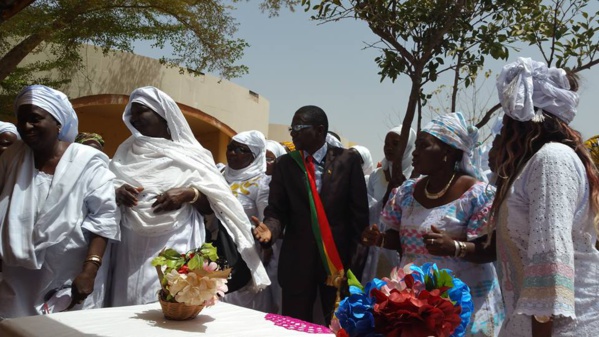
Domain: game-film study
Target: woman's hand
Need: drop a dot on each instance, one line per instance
(372, 236)
(439, 243)
(126, 195)
(261, 231)
(173, 199)
(83, 284)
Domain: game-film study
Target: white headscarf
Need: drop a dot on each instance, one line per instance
(526, 84)
(275, 147)
(138, 160)
(453, 130)
(257, 143)
(56, 104)
(367, 165)
(9, 127)
(406, 161)
(333, 141)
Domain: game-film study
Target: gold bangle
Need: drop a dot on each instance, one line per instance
(463, 249)
(95, 259)
(458, 248)
(196, 196)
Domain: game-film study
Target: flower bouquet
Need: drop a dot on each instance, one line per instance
(189, 281)
(413, 302)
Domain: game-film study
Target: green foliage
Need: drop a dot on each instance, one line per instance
(352, 280)
(565, 32)
(200, 32)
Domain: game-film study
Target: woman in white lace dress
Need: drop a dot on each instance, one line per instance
(546, 207)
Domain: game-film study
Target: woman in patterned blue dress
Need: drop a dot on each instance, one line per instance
(441, 217)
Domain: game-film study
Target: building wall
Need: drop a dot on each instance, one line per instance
(215, 108)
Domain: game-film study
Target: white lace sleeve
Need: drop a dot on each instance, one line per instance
(553, 185)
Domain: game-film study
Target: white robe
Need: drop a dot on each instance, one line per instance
(43, 247)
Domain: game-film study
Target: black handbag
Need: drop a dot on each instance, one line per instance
(227, 250)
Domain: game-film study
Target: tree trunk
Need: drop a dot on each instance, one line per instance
(11, 60)
(406, 124)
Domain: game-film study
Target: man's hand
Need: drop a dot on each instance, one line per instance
(261, 232)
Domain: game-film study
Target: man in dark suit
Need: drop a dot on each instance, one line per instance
(340, 183)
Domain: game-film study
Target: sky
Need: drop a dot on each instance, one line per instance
(293, 61)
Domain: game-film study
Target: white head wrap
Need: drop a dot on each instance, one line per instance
(406, 161)
(257, 143)
(275, 147)
(526, 84)
(367, 166)
(56, 104)
(453, 130)
(140, 159)
(333, 142)
(9, 127)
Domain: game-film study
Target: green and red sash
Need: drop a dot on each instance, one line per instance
(320, 226)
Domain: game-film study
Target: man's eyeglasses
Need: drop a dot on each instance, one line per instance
(299, 127)
(238, 149)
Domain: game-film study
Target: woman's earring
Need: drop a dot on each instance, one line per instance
(445, 158)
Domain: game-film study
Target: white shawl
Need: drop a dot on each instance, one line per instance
(146, 161)
(24, 239)
(257, 143)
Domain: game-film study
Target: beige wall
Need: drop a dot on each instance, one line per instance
(121, 73)
(215, 108)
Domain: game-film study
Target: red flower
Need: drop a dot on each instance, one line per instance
(342, 333)
(183, 270)
(403, 314)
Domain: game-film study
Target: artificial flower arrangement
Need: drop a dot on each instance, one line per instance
(413, 302)
(190, 281)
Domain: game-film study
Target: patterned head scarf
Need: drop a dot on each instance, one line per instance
(83, 137)
(367, 165)
(257, 143)
(275, 147)
(526, 84)
(592, 144)
(9, 127)
(56, 104)
(453, 130)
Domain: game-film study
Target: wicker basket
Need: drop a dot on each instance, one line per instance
(179, 311)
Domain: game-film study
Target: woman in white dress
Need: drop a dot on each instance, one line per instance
(442, 217)
(377, 187)
(165, 181)
(57, 211)
(245, 173)
(546, 208)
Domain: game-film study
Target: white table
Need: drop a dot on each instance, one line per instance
(222, 319)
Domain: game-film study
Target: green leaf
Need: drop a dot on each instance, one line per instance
(209, 251)
(352, 280)
(197, 262)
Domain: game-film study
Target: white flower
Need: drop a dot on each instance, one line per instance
(196, 288)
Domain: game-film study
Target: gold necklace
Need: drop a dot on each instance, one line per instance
(439, 194)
